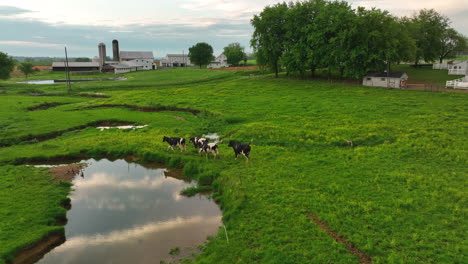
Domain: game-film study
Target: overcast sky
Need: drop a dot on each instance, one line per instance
(43, 28)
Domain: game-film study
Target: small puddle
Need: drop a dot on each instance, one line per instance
(73, 80)
(129, 213)
(121, 127)
(39, 82)
(212, 136)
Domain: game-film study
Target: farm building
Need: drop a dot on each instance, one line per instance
(145, 59)
(219, 62)
(76, 66)
(122, 61)
(384, 79)
(176, 60)
(458, 68)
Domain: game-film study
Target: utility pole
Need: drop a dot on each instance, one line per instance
(183, 58)
(67, 69)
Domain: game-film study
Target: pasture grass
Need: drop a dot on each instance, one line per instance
(29, 205)
(397, 194)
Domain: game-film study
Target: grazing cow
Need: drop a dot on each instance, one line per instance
(209, 148)
(240, 148)
(197, 142)
(175, 141)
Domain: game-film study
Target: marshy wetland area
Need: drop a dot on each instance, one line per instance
(337, 173)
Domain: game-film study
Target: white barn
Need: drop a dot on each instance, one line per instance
(142, 59)
(219, 62)
(383, 79)
(176, 60)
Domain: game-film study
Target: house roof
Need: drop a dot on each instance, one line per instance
(136, 55)
(384, 74)
(75, 64)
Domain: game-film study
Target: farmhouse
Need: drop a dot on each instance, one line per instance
(384, 79)
(176, 60)
(219, 62)
(75, 66)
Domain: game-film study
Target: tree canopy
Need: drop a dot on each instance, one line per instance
(270, 34)
(319, 34)
(6, 66)
(26, 68)
(201, 54)
(452, 43)
(234, 53)
(428, 28)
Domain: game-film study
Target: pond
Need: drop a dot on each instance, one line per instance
(73, 80)
(128, 213)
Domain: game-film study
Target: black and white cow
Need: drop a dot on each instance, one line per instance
(175, 141)
(240, 148)
(197, 142)
(208, 147)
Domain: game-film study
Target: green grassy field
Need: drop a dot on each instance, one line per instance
(399, 195)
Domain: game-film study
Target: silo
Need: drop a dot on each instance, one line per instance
(115, 49)
(102, 54)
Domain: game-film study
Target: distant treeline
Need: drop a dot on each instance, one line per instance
(49, 60)
(318, 34)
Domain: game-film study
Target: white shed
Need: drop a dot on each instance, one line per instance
(383, 79)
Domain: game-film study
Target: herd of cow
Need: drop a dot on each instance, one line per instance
(208, 147)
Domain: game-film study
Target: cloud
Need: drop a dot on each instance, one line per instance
(11, 11)
(123, 236)
(30, 44)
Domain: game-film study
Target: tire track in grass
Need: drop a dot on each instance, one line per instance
(362, 256)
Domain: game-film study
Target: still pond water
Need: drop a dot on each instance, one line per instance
(126, 213)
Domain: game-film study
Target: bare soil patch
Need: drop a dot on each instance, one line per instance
(180, 118)
(66, 172)
(147, 109)
(36, 251)
(40, 138)
(44, 106)
(362, 256)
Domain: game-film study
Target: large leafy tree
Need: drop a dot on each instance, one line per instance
(269, 35)
(428, 28)
(6, 66)
(379, 40)
(452, 42)
(26, 68)
(301, 52)
(335, 28)
(234, 53)
(201, 54)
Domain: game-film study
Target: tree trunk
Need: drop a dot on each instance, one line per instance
(312, 71)
(341, 72)
(276, 69)
(441, 59)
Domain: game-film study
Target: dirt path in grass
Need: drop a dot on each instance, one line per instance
(66, 172)
(363, 257)
(36, 251)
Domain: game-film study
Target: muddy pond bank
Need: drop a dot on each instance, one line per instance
(124, 212)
